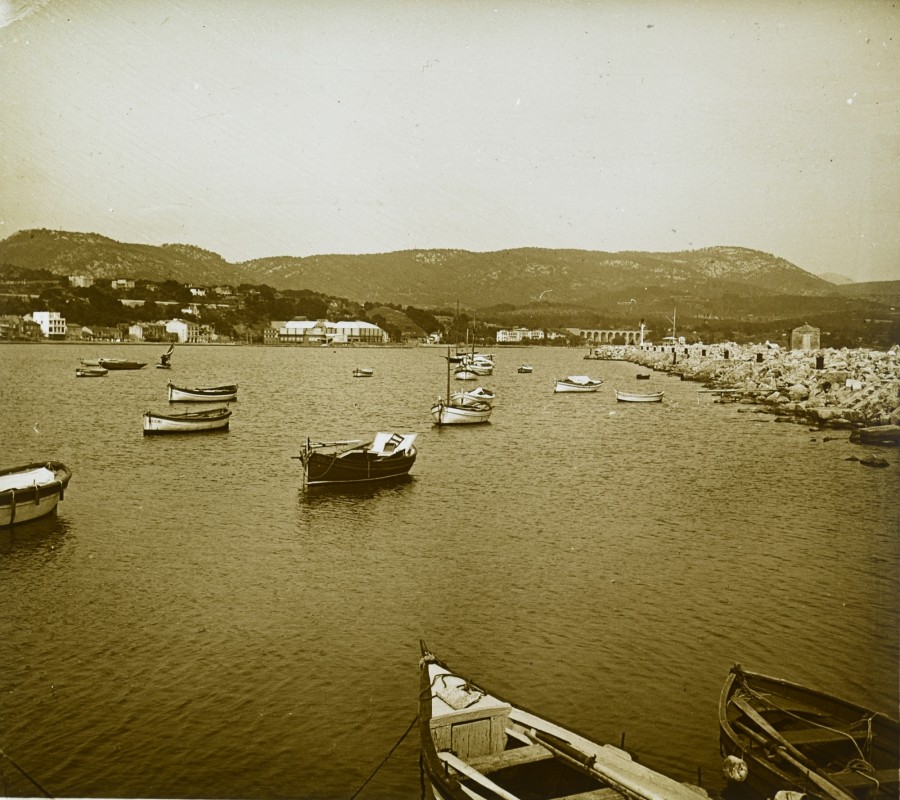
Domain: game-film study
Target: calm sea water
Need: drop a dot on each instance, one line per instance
(194, 624)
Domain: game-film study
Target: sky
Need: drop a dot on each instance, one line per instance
(301, 127)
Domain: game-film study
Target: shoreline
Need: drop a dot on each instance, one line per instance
(846, 388)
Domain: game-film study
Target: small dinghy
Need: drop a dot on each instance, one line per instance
(31, 491)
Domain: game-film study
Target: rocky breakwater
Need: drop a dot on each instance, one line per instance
(845, 388)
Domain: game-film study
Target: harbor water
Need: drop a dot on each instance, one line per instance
(193, 623)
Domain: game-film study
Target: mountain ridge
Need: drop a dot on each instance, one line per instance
(435, 277)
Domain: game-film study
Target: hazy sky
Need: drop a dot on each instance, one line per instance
(299, 127)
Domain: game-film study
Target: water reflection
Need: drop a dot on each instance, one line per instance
(47, 535)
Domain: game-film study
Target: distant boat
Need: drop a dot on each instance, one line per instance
(90, 372)
(642, 376)
(475, 744)
(165, 357)
(120, 363)
(777, 736)
(363, 372)
(635, 397)
(458, 412)
(209, 419)
(577, 383)
(463, 373)
(31, 491)
(525, 368)
(388, 455)
(180, 394)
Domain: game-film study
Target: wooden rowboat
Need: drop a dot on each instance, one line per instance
(31, 491)
(577, 383)
(635, 397)
(475, 745)
(388, 455)
(363, 372)
(780, 736)
(212, 394)
(210, 419)
(90, 372)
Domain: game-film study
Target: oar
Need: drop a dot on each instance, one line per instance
(790, 753)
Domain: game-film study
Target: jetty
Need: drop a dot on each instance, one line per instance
(850, 388)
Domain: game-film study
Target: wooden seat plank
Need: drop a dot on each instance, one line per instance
(510, 758)
(809, 736)
(858, 780)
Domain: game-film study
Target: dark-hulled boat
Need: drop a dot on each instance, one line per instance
(211, 394)
(120, 363)
(209, 419)
(780, 736)
(388, 455)
(31, 491)
(477, 745)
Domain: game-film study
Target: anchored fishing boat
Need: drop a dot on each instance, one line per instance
(388, 455)
(637, 397)
(475, 744)
(180, 394)
(455, 411)
(363, 372)
(120, 363)
(31, 491)
(525, 369)
(577, 383)
(777, 736)
(209, 419)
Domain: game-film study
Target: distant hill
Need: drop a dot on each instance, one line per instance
(698, 279)
(835, 278)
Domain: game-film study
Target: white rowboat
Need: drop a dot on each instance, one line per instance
(635, 397)
(31, 491)
(577, 383)
(212, 394)
(210, 419)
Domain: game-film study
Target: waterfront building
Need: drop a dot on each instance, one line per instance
(53, 324)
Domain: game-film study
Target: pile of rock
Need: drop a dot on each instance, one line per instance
(841, 388)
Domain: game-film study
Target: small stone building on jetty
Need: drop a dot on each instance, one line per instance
(841, 388)
(806, 337)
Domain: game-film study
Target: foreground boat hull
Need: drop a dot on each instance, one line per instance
(21, 502)
(191, 422)
(777, 735)
(476, 744)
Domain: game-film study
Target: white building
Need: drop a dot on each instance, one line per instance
(322, 331)
(52, 324)
(122, 283)
(185, 331)
(519, 335)
(81, 281)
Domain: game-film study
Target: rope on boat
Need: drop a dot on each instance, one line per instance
(384, 760)
(12, 761)
(861, 764)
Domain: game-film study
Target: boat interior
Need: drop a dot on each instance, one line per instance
(388, 444)
(516, 755)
